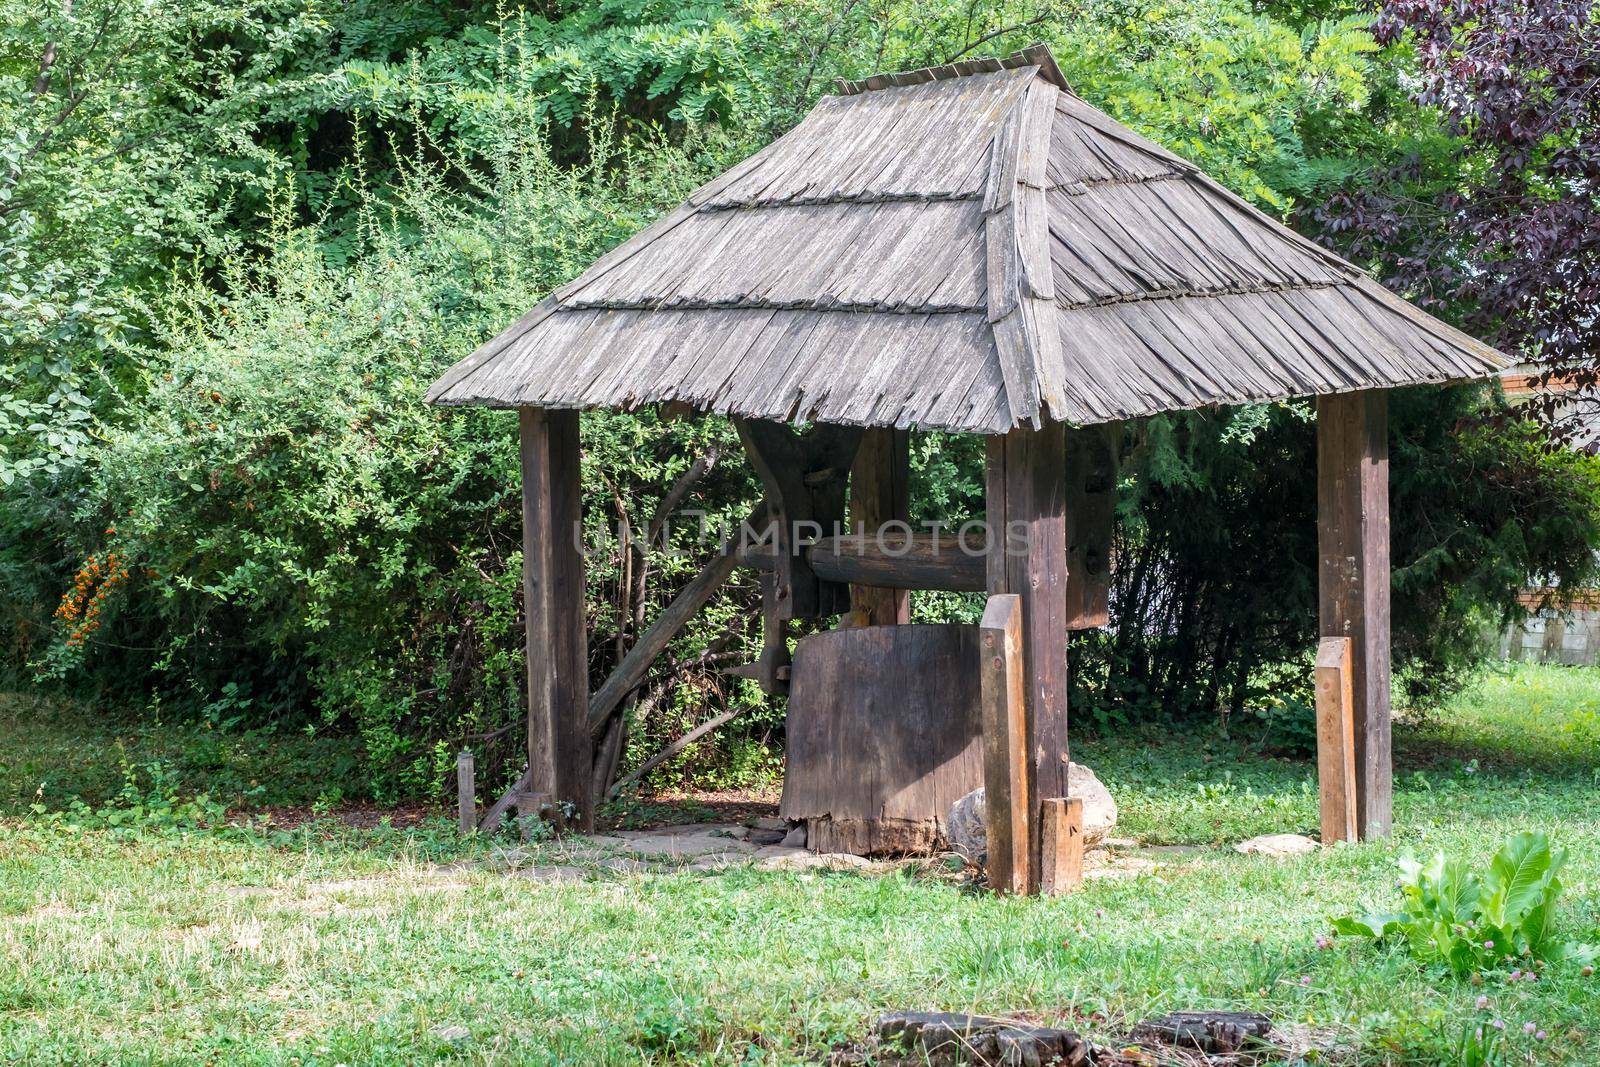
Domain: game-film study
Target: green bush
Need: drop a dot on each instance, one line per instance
(1501, 920)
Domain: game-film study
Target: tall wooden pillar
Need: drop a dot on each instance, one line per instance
(1353, 579)
(560, 751)
(880, 492)
(1026, 495)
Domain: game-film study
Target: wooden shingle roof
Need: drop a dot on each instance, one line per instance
(968, 247)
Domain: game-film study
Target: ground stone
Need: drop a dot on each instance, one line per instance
(687, 842)
(968, 832)
(552, 874)
(1277, 845)
(778, 858)
(796, 837)
(768, 822)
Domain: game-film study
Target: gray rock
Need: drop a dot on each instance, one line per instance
(765, 837)
(796, 837)
(768, 822)
(969, 835)
(1278, 845)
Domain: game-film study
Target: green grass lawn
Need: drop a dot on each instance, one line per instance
(164, 944)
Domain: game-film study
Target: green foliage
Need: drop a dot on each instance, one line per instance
(241, 236)
(1470, 923)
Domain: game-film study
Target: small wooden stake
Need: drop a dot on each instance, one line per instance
(1336, 745)
(1005, 742)
(1061, 852)
(466, 792)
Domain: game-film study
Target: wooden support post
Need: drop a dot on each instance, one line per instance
(466, 792)
(1061, 858)
(1353, 579)
(560, 752)
(880, 492)
(1336, 744)
(1091, 517)
(1004, 723)
(805, 476)
(1026, 500)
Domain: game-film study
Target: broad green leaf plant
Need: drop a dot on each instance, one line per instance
(1469, 924)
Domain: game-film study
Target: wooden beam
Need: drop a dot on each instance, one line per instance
(1003, 680)
(805, 476)
(560, 752)
(628, 673)
(1353, 579)
(1091, 517)
(895, 561)
(1336, 745)
(1026, 496)
(1061, 855)
(880, 492)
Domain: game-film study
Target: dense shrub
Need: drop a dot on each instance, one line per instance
(219, 488)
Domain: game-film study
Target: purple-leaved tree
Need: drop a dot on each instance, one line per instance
(1509, 243)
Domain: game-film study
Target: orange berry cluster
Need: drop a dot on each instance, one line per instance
(79, 609)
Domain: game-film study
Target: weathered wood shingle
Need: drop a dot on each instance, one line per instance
(968, 247)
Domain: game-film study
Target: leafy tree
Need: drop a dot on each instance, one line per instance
(1498, 222)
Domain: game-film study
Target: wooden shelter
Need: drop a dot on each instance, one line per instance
(966, 248)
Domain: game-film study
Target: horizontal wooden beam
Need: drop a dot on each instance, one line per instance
(891, 560)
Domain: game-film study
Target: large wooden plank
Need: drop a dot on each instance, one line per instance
(1353, 579)
(1336, 744)
(880, 493)
(1003, 683)
(560, 753)
(883, 735)
(1026, 503)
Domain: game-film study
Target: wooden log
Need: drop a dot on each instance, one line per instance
(560, 750)
(1026, 499)
(880, 492)
(1061, 859)
(805, 476)
(1336, 754)
(1003, 682)
(1353, 580)
(628, 673)
(678, 746)
(466, 792)
(1091, 517)
(896, 560)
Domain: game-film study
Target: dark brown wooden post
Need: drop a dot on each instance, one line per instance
(560, 751)
(880, 492)
(1026, 500)
(1353, 578)
(1091, 518)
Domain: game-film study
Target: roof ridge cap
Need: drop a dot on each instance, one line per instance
(1035, 55)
